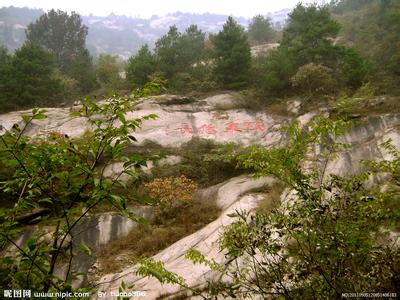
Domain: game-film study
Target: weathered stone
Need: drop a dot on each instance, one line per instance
(234, 194)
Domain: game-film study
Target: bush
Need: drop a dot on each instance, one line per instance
(61, 177)
(352, 68)
(314, 80)
(208, 163)
(170, 190)
(324, 242)
(202, 161)
(279, 68)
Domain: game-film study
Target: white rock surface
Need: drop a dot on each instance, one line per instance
(264, 49)
(230, 196)
(294, 106)
(176, 124)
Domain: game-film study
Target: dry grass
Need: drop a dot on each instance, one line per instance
(273, 200)
(364, 106)
(168, 226)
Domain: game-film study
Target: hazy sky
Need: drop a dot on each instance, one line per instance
(147, 8)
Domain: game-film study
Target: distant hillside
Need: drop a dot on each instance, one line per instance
(120, 35)
(13, 21)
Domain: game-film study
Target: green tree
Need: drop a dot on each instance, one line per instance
(60, 33)
(278, 69)
(107, 69)
(372, 27)
(308, 39)
(192, 47)
(64, 35)
(5, 59)
(352, 68)
(232, 55)
(260, 30)
(180, 56)
(167, 52)
(140, 66)
(192, 68)
(4, 56)
(83, 71)
(309, 35)
(30, 79)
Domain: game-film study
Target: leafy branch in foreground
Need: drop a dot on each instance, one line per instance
(151, 268)
(56, 182)
(331, 235)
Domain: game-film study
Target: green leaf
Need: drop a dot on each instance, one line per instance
(75, 114)
(39, 116)
(46, 200)
(96, 182)
(26, 118)
(85, 249)
(232, 215)
(31, 244)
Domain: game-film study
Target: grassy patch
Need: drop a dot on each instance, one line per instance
(273, 200)
(366, 106)
(147, 148)
(203, 161)
(167, 227)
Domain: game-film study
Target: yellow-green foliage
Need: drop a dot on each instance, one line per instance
(171, 189)
(314, 79)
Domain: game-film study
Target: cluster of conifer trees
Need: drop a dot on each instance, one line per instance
(323, 50)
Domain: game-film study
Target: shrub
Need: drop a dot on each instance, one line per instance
(279, 68)
(202, 160)
(314, 80)
(208, 163)
(171, 189)
(61, 177)
(352, 68)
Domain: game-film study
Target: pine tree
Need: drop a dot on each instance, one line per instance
(232, 55)
(309, 35)
(140, 66)
(167, 52)
(30, 80)
(64, 35)
(260, 30)
(61, 33)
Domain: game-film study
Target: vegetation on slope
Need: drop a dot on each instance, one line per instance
(320, 246)
(331, 236)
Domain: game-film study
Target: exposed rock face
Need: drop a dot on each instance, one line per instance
(215, 118)
(177, 123)
(98, 230)
(366, 139)
(235, 194)
(264, 49)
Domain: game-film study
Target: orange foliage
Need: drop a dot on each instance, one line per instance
(170, 189)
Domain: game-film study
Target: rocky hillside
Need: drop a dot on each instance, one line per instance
(217, 118)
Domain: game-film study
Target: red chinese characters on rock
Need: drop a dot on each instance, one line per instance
(186, 129)
(232, 127)
(255, 126)
(207, 129)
